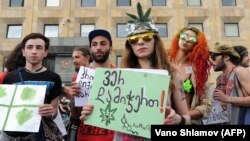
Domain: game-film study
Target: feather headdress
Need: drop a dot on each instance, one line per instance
(140, 22)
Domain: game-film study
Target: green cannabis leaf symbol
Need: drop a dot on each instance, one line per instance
(28, 94)
(2, 92)
(187, 86)
(23, 116)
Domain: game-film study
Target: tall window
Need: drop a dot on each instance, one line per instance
(14, 31)
(163, 29)
(194, 2)
(86, 28)
(88, 3)
(118, 60)
(121, 30)
(159, 3)
(52, 3)
(16, 3)
(51, 30)
(231, 29)
(197, 25)
(123, 2)
(228, 2)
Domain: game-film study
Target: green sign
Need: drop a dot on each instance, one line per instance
(127, 100)
(19, 106)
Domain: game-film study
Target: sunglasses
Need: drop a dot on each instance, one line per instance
(214, 55)
(147, 37)
(190, 39)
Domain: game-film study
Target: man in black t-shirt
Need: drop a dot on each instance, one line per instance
(35, 49)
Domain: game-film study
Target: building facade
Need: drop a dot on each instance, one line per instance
(68, 22)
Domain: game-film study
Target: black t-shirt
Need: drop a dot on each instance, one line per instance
(48, 78)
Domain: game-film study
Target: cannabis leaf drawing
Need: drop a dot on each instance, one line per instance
(107, 114)
(28, 94)
(23, 116)
(2, 92)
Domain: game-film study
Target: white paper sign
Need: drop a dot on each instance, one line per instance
(217, 114)
(19, 106)
(84, 79)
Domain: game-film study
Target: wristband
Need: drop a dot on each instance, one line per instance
(183, 120)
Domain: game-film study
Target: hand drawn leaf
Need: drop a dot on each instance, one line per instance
(28, 94)
(23, 116)
(2, 92)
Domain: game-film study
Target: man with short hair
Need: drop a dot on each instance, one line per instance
(35, 48)
(244, 58)
(236, 94)
(100, 42)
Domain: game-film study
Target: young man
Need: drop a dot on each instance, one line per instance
(236, 90)
(244, 58)
(81, 57)
(35, 49)
(100, 47)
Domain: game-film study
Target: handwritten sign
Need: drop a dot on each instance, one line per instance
(128, 101)
(19, 107)
(217, 115)
(84, 79)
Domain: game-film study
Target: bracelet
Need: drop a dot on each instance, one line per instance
(183, 120)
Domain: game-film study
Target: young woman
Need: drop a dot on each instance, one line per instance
(189, 55)
(144, 50)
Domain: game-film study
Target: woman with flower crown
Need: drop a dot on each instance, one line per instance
(189, 55)
(145, 50)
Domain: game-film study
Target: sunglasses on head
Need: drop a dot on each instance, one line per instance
(190, 39)
(147, 37)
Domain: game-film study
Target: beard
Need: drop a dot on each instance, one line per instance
(77, 69)
(101, 59)
(220, 67)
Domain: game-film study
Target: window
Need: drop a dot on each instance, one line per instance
(159, 3)
(52, 3)
(231, 29)
(118, 60)
(228, 2)
(163, 30)
(88, 3)
(51, 30)
(121, 30)
(194, 2)
(14, 31)
(123, 2)
(197, 25)
(16, 3)
(86, 28)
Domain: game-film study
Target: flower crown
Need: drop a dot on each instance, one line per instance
(143, 21)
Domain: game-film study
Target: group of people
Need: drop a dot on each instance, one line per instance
(188, 62)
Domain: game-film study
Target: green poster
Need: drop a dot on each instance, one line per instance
(128, 101)
(19, 107)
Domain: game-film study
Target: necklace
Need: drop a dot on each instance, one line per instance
(35, 70)
(227, 77)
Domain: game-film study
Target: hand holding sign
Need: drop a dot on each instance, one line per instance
(84, 79)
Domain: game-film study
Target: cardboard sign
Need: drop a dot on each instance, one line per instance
(122, 97)
(84, 79)
(19, 106)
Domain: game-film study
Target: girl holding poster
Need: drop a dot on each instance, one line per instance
(145, 50)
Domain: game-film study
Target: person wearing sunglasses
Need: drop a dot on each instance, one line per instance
(236, 95)
(189, 55)
(144, 49)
